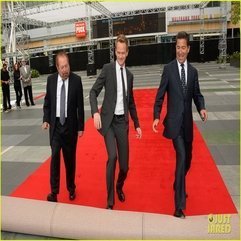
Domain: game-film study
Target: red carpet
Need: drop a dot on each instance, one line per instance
(148, 187)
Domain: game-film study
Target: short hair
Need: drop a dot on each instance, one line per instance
(61, 54)
(4, 65)
(183, 35)
(121, 38)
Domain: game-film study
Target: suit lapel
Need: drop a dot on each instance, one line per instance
(128, 79)
(70, 89)
(176, 73)
(114, 76)
(55, 81)
(189, 79)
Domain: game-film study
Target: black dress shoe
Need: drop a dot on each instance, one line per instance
(52, 197)
(32, 104)
(121, 195)
(109, 207)
(179, 213)
(72, 196)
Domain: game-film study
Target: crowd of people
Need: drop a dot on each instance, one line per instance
(20, 77)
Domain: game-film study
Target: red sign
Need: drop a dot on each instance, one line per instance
(80, 29)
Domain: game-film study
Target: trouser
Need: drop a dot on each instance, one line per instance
(28, 92)
(183, 150)
(19, 94)
(6, 97)
(117, 146)
(62, 139)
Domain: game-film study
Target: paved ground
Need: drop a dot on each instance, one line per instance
(25, 146)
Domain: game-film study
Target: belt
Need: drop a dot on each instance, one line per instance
(119, 116)
(57, 118)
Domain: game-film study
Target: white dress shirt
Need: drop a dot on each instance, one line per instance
(59, 85)
(119, 108)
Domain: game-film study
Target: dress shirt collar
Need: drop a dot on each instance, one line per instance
(118, 66)
(185, 64)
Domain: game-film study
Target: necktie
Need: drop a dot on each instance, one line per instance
(183, 80)
(124, 94)
(62, 104)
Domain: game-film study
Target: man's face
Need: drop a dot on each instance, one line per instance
(121, 53)
(63, 67)
(23, 62)
(182, 50)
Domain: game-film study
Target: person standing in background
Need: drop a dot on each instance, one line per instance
(25, 73)
(17, 84)
(5, 82)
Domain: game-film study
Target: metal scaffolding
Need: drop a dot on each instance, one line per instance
(107, 14)
(15, 37)
(18, 16)
(222, 45)
(202, 29)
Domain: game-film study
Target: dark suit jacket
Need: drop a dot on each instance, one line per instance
(75, 104)
(179, 108)
(107, 79)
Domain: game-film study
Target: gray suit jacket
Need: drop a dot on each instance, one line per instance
(108, 80)
(26, 76)
(179, 107)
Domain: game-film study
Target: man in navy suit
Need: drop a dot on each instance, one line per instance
(180, 82)
(113, 119)
(64, 116)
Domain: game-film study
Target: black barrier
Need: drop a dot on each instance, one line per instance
(161, 53)
(91, 70)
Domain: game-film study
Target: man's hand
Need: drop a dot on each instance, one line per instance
(154, 125)
(45, 125)
(204, 115)
(80, 133)
(97, 121)
(139, 133)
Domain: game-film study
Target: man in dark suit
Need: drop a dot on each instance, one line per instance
(64, 116)
(112, 121)
(180, 81)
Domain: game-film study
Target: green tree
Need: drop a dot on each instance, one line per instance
(235, 12)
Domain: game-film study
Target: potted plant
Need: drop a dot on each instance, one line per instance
(235, 59)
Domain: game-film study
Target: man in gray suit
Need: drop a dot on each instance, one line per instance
(25, 73)
(180, 82)
(113, 119)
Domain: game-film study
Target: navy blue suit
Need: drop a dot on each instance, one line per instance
(178, 122)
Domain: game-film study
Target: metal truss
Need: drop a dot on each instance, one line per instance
(90, 47)
(15, 37)
(222, 45)
(101, 9)
(202, 47)
(104, 14)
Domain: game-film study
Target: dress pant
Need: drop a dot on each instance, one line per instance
(28, 92)
(6, 97)
(62, 139)
(183, 150)
(18, 91)
(117, 146)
